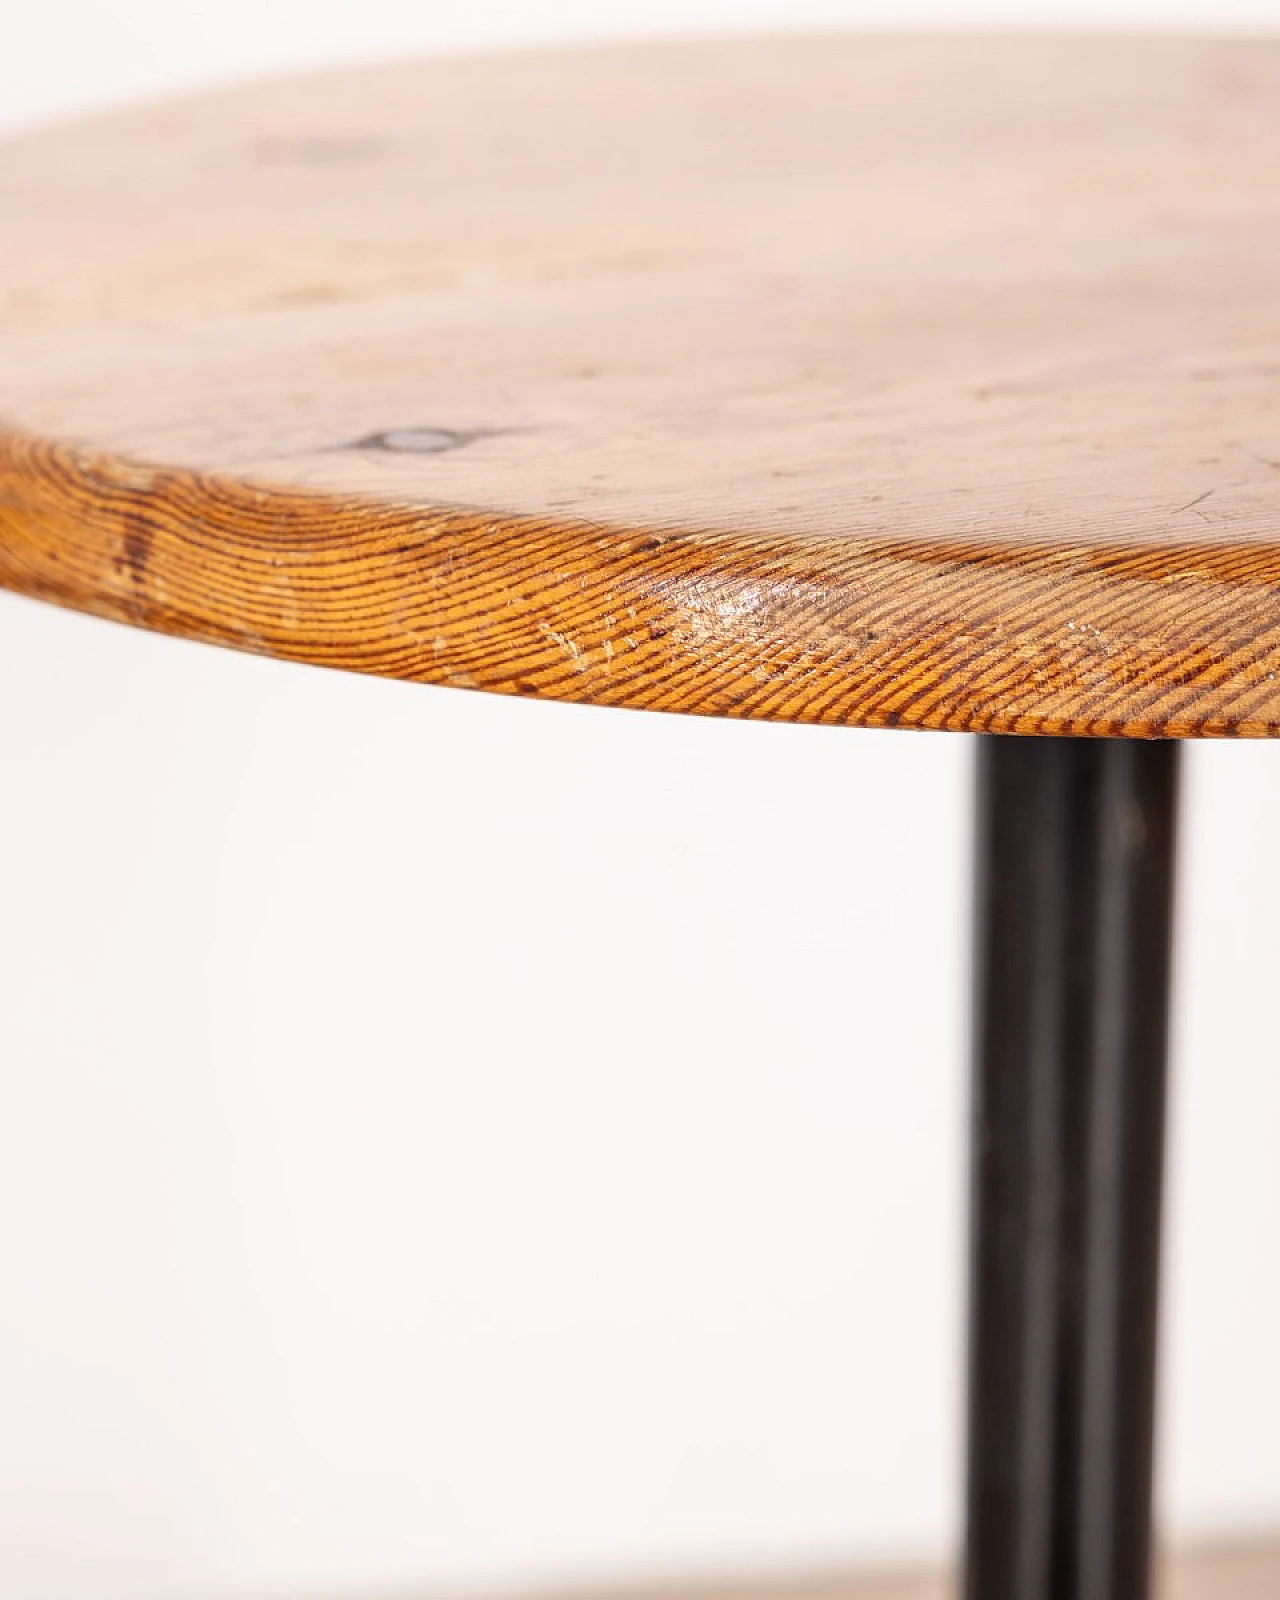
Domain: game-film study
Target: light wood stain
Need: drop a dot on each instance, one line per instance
(897, 382)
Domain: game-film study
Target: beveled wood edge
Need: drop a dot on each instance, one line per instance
(1133, 640)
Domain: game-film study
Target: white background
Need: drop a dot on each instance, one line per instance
(446, 1143)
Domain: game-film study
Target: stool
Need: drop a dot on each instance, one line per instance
(878, 382)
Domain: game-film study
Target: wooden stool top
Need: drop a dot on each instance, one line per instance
(860, 380)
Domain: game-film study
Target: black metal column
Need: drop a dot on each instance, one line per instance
(1074, 892)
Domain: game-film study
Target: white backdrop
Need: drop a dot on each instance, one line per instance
(446, 1143)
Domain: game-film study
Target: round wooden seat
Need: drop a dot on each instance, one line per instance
(893, 382)
(933, 383)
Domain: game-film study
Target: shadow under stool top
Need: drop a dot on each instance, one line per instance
(917, 382)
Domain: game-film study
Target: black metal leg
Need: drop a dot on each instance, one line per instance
(1075, 875)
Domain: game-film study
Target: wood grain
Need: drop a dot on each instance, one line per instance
(918, 382)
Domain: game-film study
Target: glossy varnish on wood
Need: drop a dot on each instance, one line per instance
(933, 383)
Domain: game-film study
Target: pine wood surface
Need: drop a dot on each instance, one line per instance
(920, 382)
